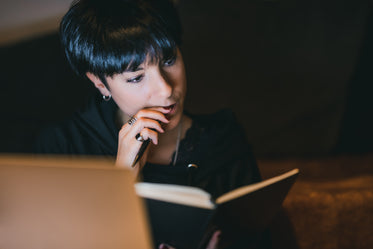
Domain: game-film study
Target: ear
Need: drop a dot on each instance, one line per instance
(98, 83)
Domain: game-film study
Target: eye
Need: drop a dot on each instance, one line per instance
(135, 79)
(169, 62)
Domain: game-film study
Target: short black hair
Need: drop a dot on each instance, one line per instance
(107, 37)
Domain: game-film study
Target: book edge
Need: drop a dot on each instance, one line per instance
(254, 187)
(184, 195)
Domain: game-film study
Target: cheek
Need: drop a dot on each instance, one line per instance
(179, 80)
(130, 102)
(183, 87)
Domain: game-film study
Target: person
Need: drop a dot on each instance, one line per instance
(131, 52)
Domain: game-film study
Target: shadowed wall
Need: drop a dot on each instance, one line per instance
(287, 68)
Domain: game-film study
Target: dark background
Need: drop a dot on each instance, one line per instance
(296, 73)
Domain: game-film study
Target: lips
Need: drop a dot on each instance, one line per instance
(170, 109)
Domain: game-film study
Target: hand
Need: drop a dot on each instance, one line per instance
(213, 243)
(148, 125)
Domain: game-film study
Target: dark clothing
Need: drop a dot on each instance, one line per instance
(215, 142)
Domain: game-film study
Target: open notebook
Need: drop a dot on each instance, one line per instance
(61, 203)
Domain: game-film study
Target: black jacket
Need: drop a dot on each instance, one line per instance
(215, 142)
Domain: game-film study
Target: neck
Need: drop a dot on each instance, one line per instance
(168, 144)
(170, 136)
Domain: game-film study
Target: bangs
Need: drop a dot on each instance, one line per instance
(107, 39)
(125, 51)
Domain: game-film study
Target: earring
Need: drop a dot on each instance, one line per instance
(106, 98)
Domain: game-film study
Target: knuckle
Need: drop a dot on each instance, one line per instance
(144, 132)
(147, 131)
(141, 120)
(146, 122)
(140, 113)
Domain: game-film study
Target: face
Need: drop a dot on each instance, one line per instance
(150, 85)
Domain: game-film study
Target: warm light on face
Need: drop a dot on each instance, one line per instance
(151, 85)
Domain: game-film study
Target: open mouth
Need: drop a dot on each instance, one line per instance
(171, 108)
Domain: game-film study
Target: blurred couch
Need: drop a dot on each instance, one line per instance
(329, 207)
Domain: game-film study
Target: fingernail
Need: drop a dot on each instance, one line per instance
(162, 246)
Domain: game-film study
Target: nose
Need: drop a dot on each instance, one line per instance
(163, 85)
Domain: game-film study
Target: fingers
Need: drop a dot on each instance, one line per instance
(153, 113)
(214, 241)
(148, 124)
(165, 246)
(147, 121)
(146, 118)
(147, 133)
(213, 244)
(147, 128)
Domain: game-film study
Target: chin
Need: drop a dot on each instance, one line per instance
(174, 122)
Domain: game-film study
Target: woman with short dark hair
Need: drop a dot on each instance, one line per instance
(131, 52)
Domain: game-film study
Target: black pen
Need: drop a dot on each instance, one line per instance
(141, 152)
